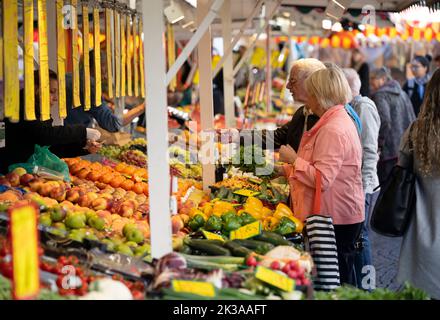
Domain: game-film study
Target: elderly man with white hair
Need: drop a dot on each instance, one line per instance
(369, 116)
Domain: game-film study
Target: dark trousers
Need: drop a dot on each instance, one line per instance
(384, 169)
(346, 238)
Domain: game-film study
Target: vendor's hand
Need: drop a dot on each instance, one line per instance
(92, 146)
(287, 154)
(93, 134)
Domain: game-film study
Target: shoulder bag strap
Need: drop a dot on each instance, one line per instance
(318, 191)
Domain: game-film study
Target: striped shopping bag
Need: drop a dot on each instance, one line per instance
(321, 243)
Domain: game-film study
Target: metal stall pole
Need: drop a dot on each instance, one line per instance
(228, 76)
(268, 63)
(205, 92)
(157, 128)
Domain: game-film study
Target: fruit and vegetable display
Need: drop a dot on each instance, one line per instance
(223, 217)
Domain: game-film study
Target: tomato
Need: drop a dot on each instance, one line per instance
(306, 282)
(4, 251)
(58, 269)
(137, 295)
(45, 266)
(40, 251)
(79, 272)
(63, 260)
(138, 286)
(286, 269)
(66, 292)
(294, 265)
(251, 261)
(275, 265)
(60, 281)
(83, 289)
(292, 274)
(74, 260)
(6, 269)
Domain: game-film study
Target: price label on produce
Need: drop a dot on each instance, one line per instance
(204, 289)
(212, 236)
(24, 247)
(275, 279)
(248, 231)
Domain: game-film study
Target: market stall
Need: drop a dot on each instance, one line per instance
(152, 217)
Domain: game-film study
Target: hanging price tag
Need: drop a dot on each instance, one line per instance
(212, 236)
(24, 245)
(275, 279)
(248, 231)
(204, 289)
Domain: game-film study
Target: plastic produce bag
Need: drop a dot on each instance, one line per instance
(43, 158)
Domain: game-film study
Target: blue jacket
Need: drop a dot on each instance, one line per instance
(102, 114)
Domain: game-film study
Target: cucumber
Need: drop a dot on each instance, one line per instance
(273, 238)
(186, 250)
(237, 250)
(259, 247)
(210, 247)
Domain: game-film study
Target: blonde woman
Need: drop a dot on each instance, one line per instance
(333, 148)
(420, 254)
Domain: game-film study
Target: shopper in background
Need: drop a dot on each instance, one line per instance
(333, 148)
(420, 254)
(415, 87)
(367, 111)
(65, 141)
(361, 66)
(396, 114)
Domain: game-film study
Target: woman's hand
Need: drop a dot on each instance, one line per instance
(287, 154)
(279, 170)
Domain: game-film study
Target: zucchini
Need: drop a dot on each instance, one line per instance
(185, 249)
(237, 250)
(215, 259)
(259, 247)
(210, 247)
(223, 192)
(273, 238)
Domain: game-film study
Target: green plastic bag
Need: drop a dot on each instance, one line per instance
(42, 157)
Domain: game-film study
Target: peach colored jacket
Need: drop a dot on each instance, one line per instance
(333, 147)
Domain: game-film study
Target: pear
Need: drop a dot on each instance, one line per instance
(45, 220)
(135, 235)
(124, 249)
(75, 221)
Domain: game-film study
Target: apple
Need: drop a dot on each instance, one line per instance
(13, 178)
(73, 195)
(106, 215)
(10, 196)
(94, 175)
(138, 188)
(67, 205)
(84, 201)
(99, 204)
(92, 195)
(58, 193)
(25, 179)
(20, 171)
(126, 211)
(177, 223)
(45, 189)
(83, 173)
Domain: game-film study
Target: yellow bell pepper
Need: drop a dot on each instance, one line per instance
(266, 212)
(299, 223)
(283, 210)
(194, 211)
(207, 209)
(270, 223)
(254, 202)
(221, 207)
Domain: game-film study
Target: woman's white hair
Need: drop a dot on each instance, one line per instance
(329, 86)
(305, 67)
(353, 80)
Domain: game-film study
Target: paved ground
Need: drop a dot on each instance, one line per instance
(385, 253)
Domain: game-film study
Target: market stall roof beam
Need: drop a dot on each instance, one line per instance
(203, 27)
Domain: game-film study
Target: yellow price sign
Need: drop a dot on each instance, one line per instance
(212, 236)
(248, 231)
(24, 244)
(204, 289)
(275, 279)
